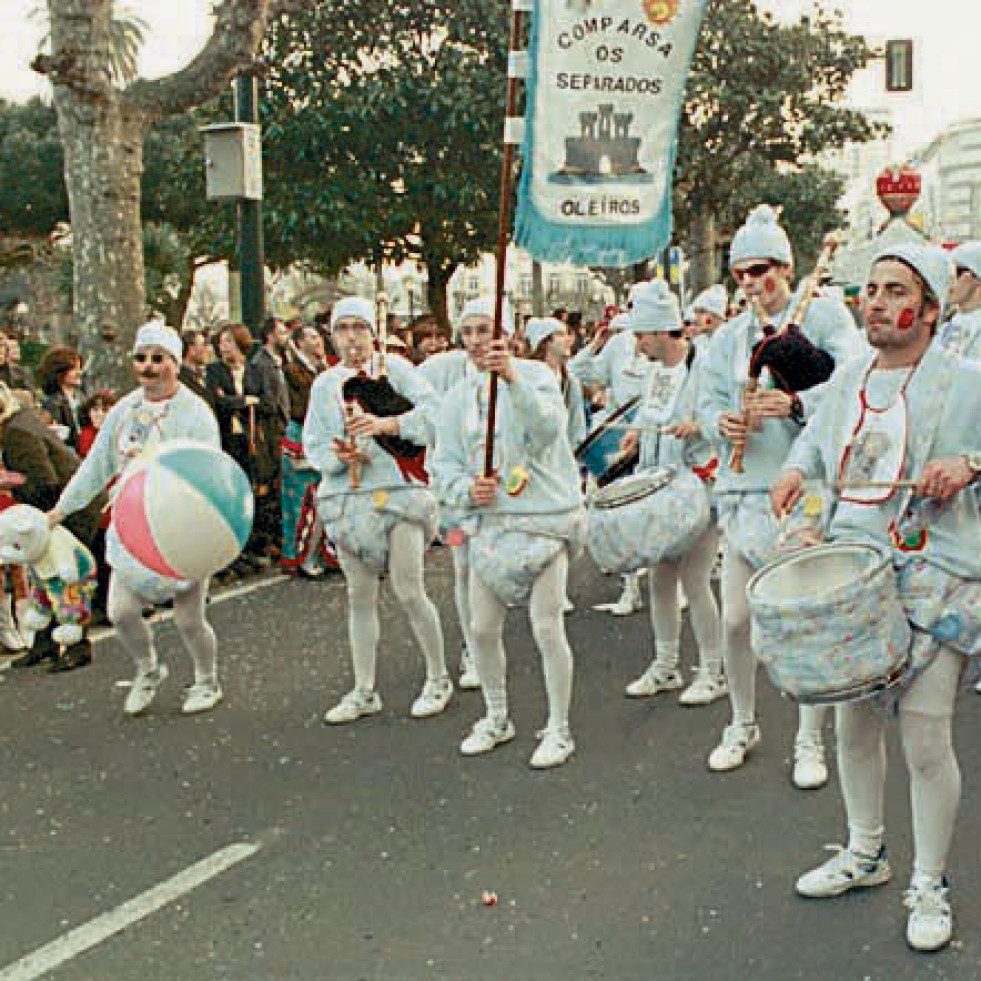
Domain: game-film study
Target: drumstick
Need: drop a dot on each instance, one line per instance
(874, 485)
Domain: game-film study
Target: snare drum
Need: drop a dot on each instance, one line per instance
(641, 520)
(828, 623)
(599, 452)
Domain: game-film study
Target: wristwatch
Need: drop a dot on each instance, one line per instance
(973, 461)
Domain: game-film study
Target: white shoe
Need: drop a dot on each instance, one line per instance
(469, 679)
(487, 734)
(630, 601)
(977, 687)
(847, 870)
(144, 689)
(435, 696)
(655, 679)
(930, 921)
(555, 748)
(353, 706)
(707, 687)
(737, 741)
(202, 698)
(810, 768)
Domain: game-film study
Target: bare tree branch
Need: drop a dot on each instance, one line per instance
(239, 26)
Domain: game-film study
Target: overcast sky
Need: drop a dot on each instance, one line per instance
(948, 35)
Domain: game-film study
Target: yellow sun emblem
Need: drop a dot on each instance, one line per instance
(661, 12)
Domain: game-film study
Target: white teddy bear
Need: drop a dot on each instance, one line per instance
(62, 572)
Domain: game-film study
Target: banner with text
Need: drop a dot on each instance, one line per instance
(605, 88)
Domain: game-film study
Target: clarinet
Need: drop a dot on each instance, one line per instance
(795, 363)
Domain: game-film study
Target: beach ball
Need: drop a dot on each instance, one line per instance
(185, 511)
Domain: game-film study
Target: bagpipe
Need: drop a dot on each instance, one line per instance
(795, 363)
(376, 394)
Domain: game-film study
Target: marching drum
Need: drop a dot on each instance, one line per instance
(828, 623)
(641, 520)
(600, 452)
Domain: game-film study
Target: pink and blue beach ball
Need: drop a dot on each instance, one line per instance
(184, 512)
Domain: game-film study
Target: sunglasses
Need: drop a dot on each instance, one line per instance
(752, 272)
(151, 358)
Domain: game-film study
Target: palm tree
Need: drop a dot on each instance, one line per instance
(127, 34)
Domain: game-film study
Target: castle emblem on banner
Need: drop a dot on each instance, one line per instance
(604, 151)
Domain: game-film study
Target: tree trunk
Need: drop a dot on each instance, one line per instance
(436, 296)
(537, 290)
(101, 129)
(103, 164)
(704, 265)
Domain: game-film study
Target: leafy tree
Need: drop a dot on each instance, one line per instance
(383, 131)
(763, 98)
(101, 120)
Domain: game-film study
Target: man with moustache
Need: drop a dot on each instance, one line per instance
(921, 403)
(159, 410)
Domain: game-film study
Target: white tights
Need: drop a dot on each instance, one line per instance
(461, 592)
(548, 629)
(125, 610)
(740, 661)
(694, 569)
(407, 548)
(935, 778)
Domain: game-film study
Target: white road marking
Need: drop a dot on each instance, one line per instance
(88, 935)
(161, 616)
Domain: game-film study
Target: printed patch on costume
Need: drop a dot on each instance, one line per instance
(517, 481)
(379, 499)
(908, 539)
(453, 537)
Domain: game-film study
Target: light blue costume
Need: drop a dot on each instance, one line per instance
(962, 335)
(131, 427)
(359, 520)
(746, 519)
(618, 368)
(512, 541)
(939, 572)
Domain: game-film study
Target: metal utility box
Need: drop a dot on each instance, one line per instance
(233, 161)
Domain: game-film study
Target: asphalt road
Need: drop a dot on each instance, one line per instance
(376, 842)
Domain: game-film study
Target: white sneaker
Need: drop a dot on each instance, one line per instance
(352, 706)
(487, 734)
(737, 740)
(654, 680)
(847, 870)
(707, 687)
(144, 689)
(435, 696)
(810, 768)
(555, 748)
(202, 698)
(469, 679)
(630, 601)
(930, 921)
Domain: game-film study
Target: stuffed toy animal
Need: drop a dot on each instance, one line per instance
(62, 574)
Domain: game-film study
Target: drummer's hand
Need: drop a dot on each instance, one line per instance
(629, 443)
(483, 490)
(499, 359)
(685, 430)
(365, 424)
(943, 479)
(786, 492)
(55, 517)
(769, 404)
(732, 426)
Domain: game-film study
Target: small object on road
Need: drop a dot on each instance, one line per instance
(490, 898)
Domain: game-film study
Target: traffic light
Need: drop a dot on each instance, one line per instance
(899, 66)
